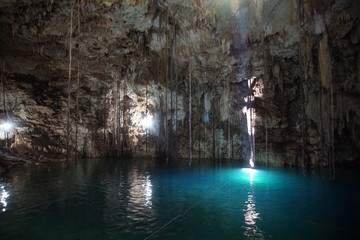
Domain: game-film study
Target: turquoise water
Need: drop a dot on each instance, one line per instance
(117, 199)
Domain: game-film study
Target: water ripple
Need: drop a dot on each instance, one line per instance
(113, 199)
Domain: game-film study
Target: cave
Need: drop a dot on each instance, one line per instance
(93, 89)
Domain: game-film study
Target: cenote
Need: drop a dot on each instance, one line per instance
(138, 199)
(87, 85)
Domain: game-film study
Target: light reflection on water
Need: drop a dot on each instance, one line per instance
(141, 189)
(147, 191)
(3, 198)
(128, 202)
(251, 230)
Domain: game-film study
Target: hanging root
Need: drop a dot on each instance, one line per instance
(69, 88)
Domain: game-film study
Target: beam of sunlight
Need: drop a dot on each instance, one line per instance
(249, 112)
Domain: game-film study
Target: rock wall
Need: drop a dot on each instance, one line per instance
(80, 78)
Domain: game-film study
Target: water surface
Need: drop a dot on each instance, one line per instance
(139, 199)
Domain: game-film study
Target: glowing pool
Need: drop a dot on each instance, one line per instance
(117, 199)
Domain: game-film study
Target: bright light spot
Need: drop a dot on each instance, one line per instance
(147, 121)
(3, 196)
(249, 170)
(251, 173)
(6, 126)
(244, 110)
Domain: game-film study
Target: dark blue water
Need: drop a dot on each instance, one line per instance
(117, 199)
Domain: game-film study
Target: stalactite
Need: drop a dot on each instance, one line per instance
(77, 109)
(116, 117)
(176, 90)
(3, 86)
(321, 127)
(206, 119)
(332, 139)
(266, 138)
(229, 137)
(300, 8)
(166, 59)
(190, 112)
(171, 67)
(305, 46)
(119, 125)
(176, 105)
(228, 121)
(267, 59)
(232, 148)
(327, 115)
(123, 127)
(77, 87)
(253, 134)
(326, 122)
(204, 137)
(69, 88)
(199, 112)
(303, 126)
(146, 114)
(161, 145)
(171, 120)
(213, 128)
(166, 135)
(190, 116)
(105, 140)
